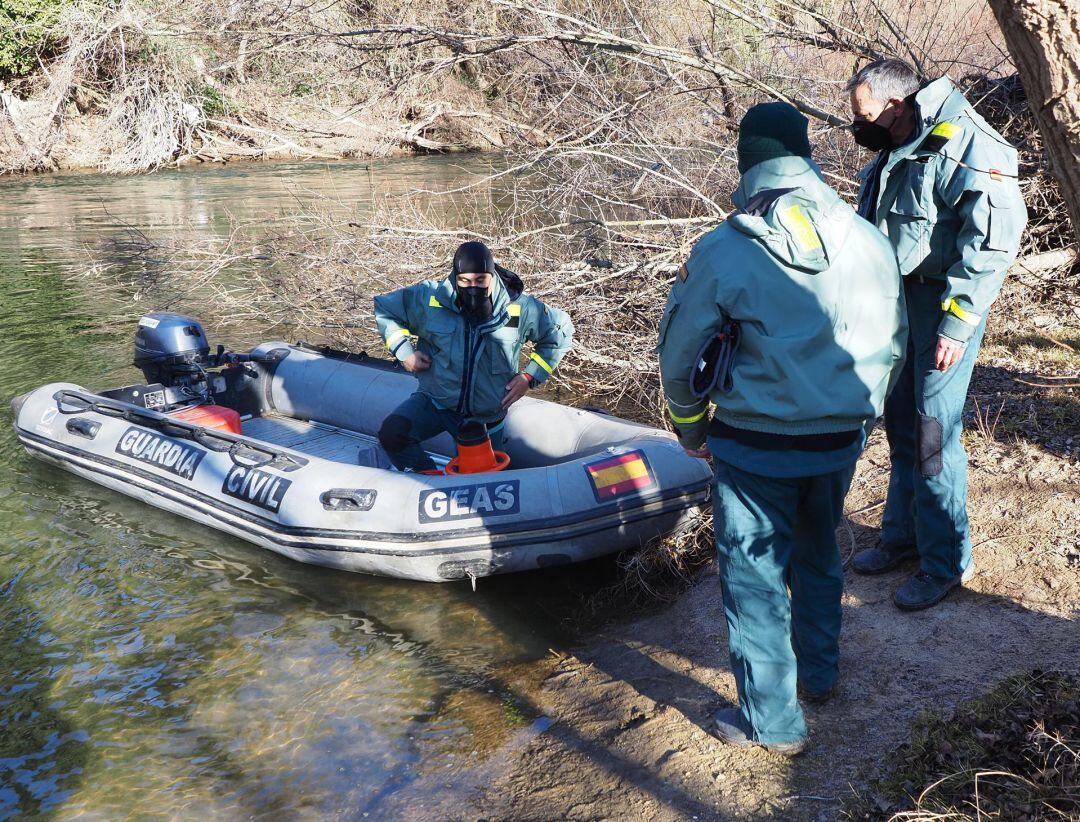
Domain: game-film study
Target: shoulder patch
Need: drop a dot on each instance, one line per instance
(433, 303)
(939, 136)
(805, 234)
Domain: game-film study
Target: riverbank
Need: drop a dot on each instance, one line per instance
(135, 86)
(303, 133)
(631, 709)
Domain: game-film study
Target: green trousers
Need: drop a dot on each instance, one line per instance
(782, 579)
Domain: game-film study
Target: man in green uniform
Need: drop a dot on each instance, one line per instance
(943, 188)
(788, 317)
(471, 328)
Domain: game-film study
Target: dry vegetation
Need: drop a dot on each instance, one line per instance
(1012, 754)
(131, 85)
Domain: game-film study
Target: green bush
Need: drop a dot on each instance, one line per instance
(214, 103)
(24, 34)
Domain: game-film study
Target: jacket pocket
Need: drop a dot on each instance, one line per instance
(441, 340)
(912, 218)
(670, 310)
(440, 331)
(999, 231)
(504, 351)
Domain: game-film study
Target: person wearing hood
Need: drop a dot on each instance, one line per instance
(943, 188)
(788, 318)
(470, 330)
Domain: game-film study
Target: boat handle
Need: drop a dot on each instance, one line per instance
(211, 441)
(348, 499)
(77, 403)
(83, 427)
(237, 447)
(74, 402)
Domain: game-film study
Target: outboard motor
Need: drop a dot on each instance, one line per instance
(173, 353)
(171, 349)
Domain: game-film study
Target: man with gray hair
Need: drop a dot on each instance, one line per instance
(943, 188)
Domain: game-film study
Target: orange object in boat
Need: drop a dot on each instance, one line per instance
(212, 416)
(475, 454)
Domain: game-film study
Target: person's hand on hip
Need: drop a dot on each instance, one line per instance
(417, 362)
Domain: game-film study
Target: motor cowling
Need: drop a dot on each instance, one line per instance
(171, 349)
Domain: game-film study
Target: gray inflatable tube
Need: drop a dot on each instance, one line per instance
(308, 480)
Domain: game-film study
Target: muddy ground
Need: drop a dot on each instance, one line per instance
(630, 711)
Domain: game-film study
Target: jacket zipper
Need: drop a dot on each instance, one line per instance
(472, 350)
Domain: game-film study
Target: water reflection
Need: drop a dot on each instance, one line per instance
(150, 666)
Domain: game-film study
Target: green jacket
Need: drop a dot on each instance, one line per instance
(816, 293)
(950, 204)
(471, 365)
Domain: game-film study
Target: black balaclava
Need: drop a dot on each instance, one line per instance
(474, 301)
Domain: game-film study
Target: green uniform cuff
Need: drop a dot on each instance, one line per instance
(955, 329)
(692, 435)
(404, 350)
(534, 370)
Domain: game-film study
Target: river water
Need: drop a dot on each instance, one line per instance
(153, 667)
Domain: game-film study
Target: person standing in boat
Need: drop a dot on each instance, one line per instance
(471, 328)
(788, 317)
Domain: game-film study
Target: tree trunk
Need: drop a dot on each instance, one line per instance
(1044, 40)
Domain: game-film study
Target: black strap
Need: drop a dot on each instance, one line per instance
(782, 442)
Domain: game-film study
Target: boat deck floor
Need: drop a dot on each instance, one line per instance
(311, 438)
(319, 440)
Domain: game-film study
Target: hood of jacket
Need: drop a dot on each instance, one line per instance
(786, 206)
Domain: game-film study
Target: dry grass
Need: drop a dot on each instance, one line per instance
(1012, 754)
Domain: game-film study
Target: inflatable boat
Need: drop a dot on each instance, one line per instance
(278, 446)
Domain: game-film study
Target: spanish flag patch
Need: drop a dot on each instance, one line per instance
(618, 476)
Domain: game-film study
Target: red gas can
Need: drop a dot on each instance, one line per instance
(211, 416)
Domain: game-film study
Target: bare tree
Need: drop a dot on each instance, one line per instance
(1044, 42)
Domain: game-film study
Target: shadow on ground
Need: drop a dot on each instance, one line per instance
(1011, 404)
(632, 711)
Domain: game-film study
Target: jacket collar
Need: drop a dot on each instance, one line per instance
(936, 101)
(781, 172)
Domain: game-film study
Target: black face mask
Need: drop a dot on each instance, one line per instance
(475, 303)
(872, 136)
(876, 137)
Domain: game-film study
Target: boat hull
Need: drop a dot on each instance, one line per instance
(370, 520)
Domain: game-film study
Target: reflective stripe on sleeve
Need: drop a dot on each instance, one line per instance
(686, 420)
(953, 307)
(396, 335)
(946, 130)
(536, 358)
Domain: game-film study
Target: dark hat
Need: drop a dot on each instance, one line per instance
(771, 130)
(473, 258)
